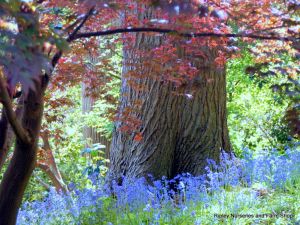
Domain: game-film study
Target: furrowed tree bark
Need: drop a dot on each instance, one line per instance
(179, 133)
(21, 165)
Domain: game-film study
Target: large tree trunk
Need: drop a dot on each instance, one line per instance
(179, 133)
(21, 165)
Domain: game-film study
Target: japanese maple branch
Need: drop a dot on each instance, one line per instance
(3, 131)
(70, 38)
(183, 34)
(17, 127)
(75, 31)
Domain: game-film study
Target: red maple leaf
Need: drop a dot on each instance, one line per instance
(138, 137)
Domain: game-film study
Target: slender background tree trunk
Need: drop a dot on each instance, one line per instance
(90, 135)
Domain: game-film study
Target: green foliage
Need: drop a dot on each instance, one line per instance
(96, 160)
(68, 148)
(255, 112)
(97, 118)
(102, 113)
(65, 124)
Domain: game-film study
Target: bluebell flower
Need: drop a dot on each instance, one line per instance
(271, 169)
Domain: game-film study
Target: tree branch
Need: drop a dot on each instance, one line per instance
(9, 135)
(72, 36)
(3, 131)
(3, 137)
(170, 31)
(43, 183)
(46, 162)
(17, 127)
(75, 31)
